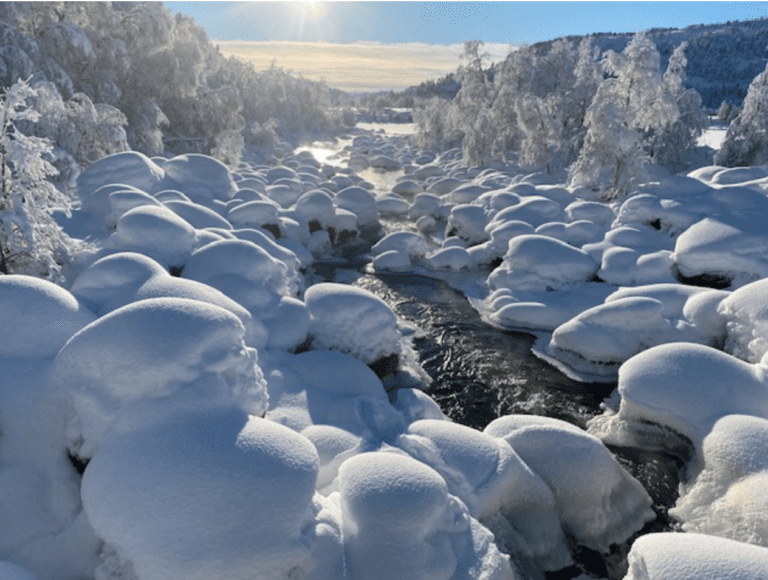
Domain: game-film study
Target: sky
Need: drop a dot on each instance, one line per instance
(369, 46)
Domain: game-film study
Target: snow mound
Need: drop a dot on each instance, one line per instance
(241, 258)
(399, 521)
(201, 178)
(679, 388)
(746, 314)
(724, 497)
(112, 281)
(129, 168)
(198, 216)
(410, 243)
(352, 320)
(322, 387)
(360, 202)
(156, 232)
(535, 262)
(37, 316)
(150, 359)
(695, 557)
(712, 247)
(467, 222)
(498, 488)
(598, 502)
(211, 495)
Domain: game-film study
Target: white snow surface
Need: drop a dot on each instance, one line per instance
(352, 320)
(217, 494)
(154, 358)
(695, 557)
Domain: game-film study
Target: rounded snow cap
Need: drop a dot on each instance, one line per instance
(208, 495)
(201, 178)
(37, 316)
(129, 168)
(153, 358)
(352, 320)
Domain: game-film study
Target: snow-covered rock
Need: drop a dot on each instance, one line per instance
(216, 494)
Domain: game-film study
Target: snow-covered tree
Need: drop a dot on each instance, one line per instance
(31, 242)
(670, 144)
(541, 123)
(472, 111)
(746, 142)
(627, 107)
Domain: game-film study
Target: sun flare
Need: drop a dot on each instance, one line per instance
(314, 9)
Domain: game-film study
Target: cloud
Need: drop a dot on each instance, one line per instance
(359, 66)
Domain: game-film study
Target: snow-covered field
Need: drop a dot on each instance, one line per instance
(189, 408)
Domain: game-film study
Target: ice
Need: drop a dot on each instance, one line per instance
(217, 494)
(695, 557)
(399, 521)
(37, 316)
(352, 320)
(535, 262)
(200, 177)
(129, 168)
(679, 389)
(152, 359)
(598, 502)
(156, 232)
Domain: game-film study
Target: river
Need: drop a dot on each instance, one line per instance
(480, 373)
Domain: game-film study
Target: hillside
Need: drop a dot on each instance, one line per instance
(722, 58)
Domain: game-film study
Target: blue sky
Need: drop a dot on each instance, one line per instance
(374, 46)
(449, 22)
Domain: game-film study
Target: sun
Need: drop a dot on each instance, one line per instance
(315, 10)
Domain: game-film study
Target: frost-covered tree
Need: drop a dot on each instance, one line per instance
(472, 105)
(670, 145)
(31, 242)
(746, 142)
(541, 123)
(627, 107)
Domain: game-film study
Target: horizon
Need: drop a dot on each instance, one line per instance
(394, 45)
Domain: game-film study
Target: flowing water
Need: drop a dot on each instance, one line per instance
(480, 373)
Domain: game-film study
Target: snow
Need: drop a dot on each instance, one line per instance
(680, 388)
(201, 178)
(722, 497)
(144, 362)
(399, 521)
(535, 262)
(10, 571)
(37, 317)
(180, 499)
(597, 501)
(695, 557)
(352, 320)
(156, 232)
(128, 168)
